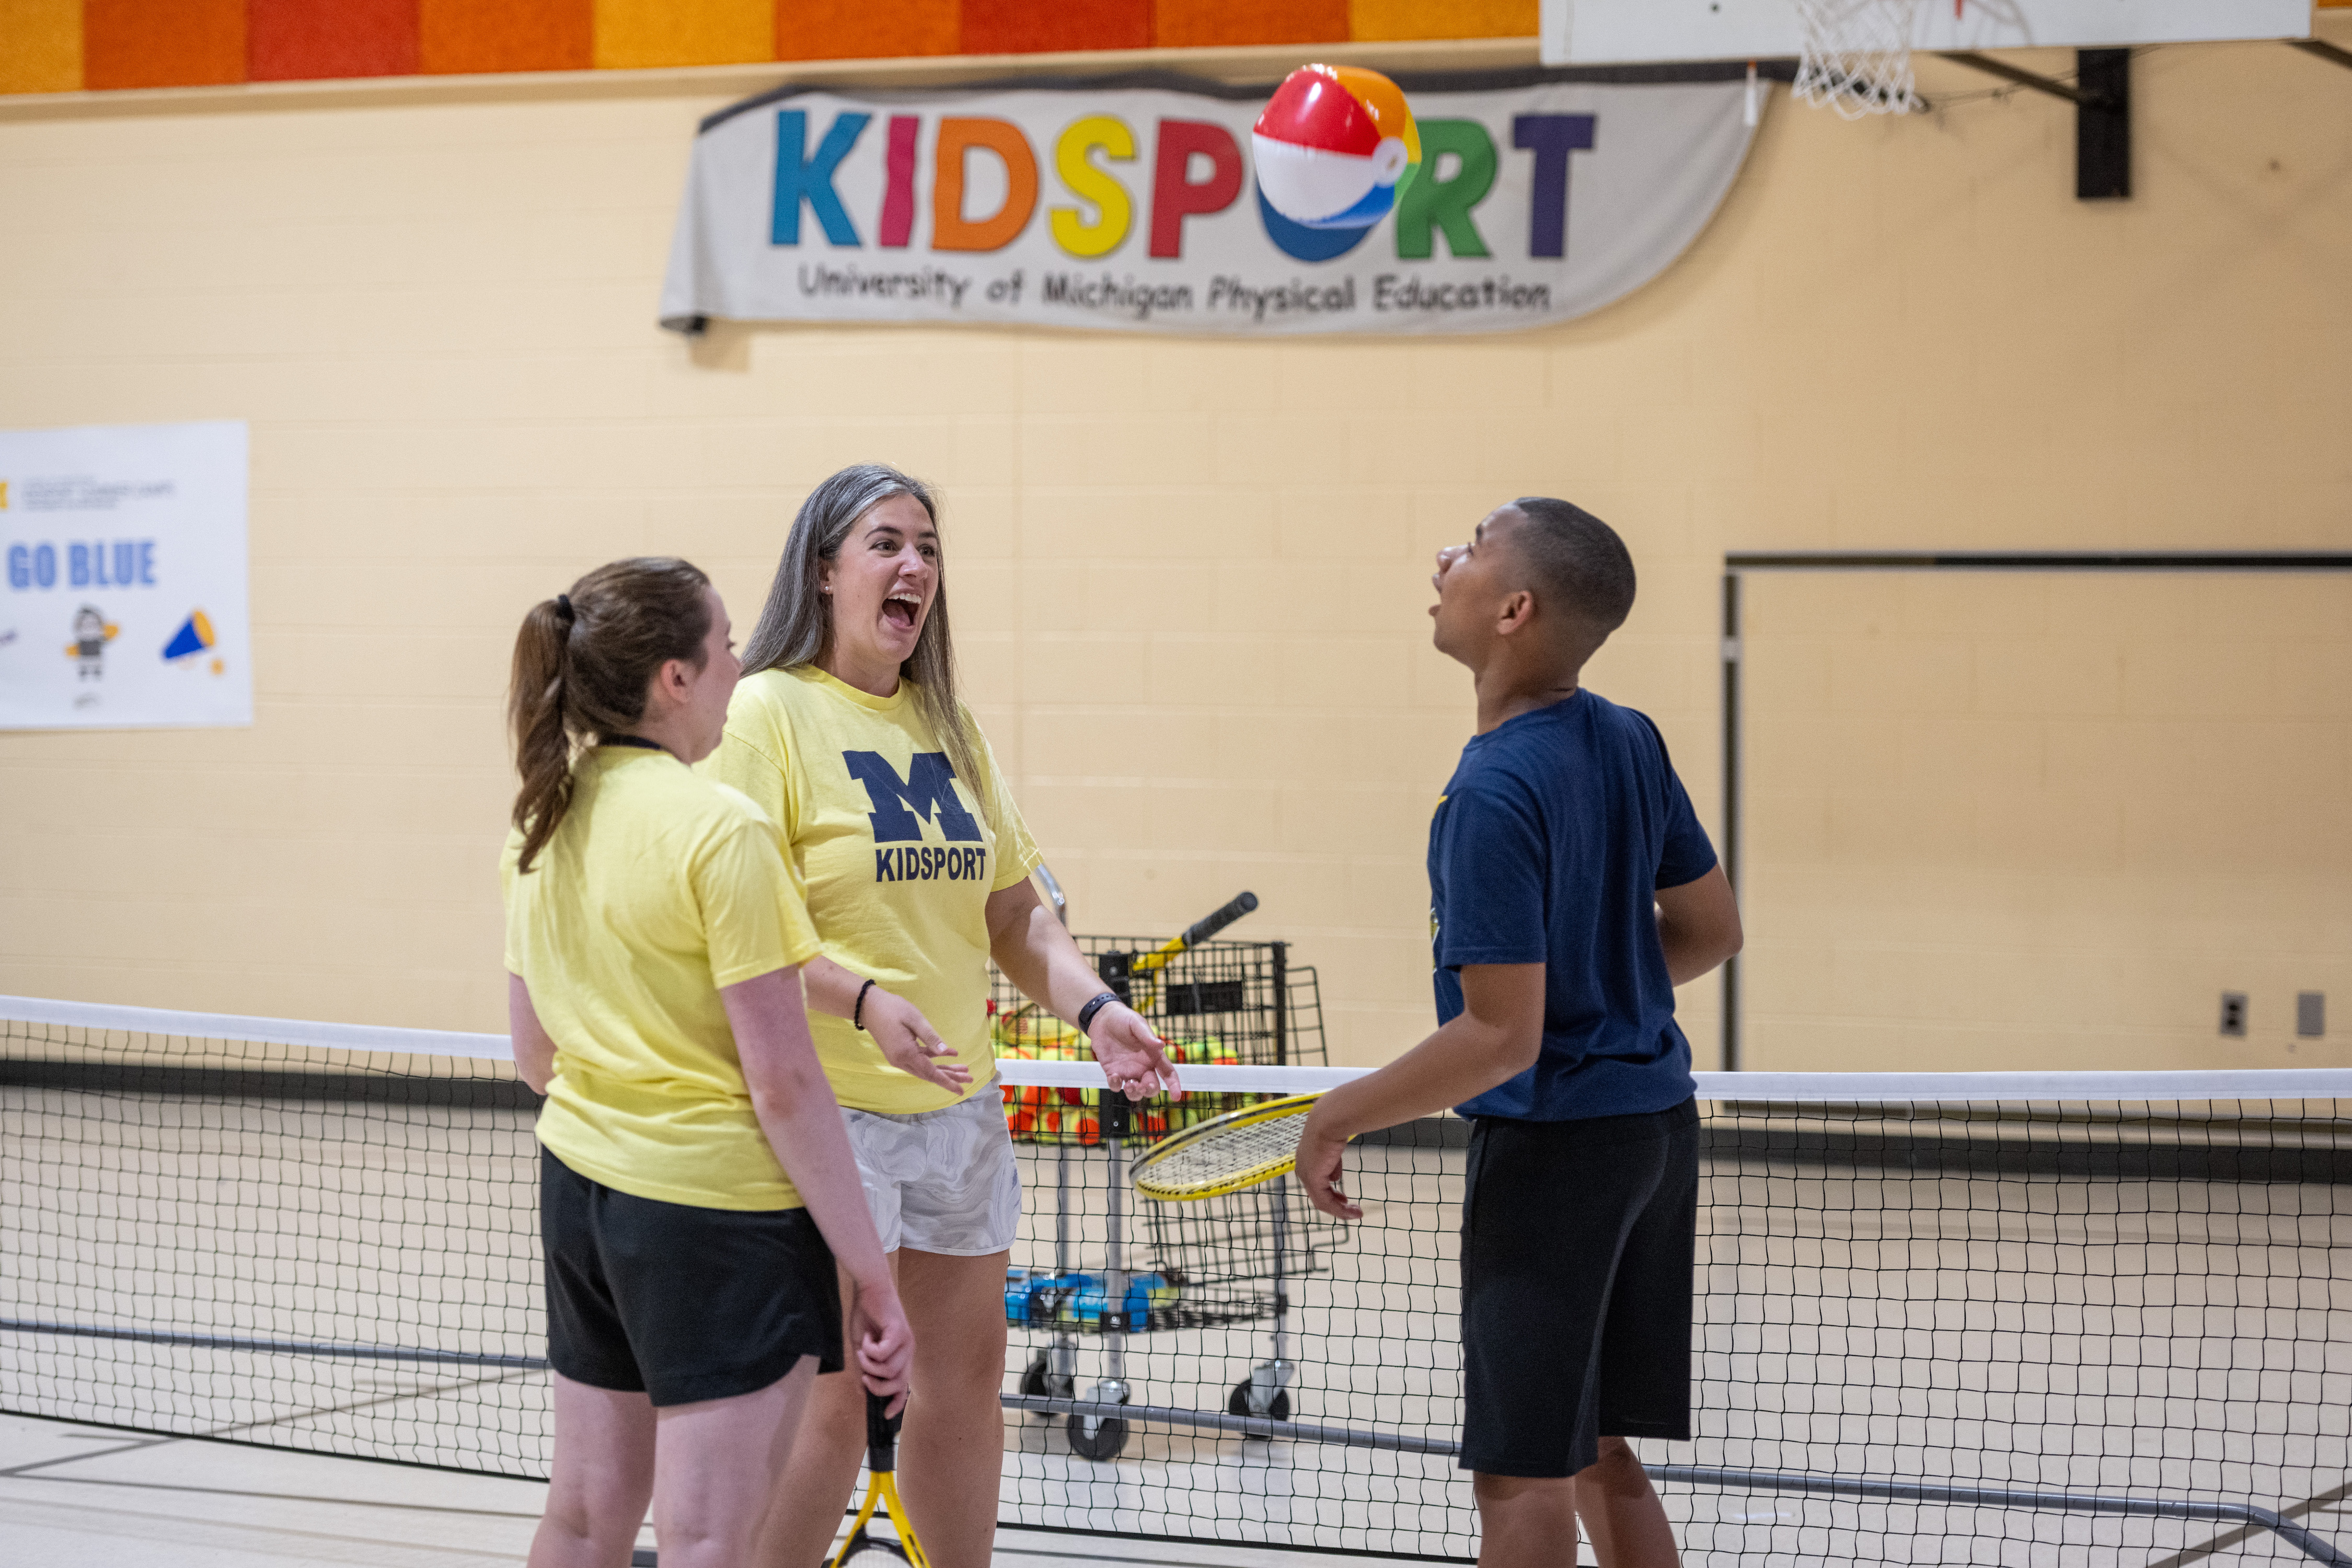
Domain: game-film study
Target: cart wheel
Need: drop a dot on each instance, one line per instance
(1238, 1404)
(1039, 1380)
(1104, 1441)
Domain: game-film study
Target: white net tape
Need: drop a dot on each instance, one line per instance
(1857, 55)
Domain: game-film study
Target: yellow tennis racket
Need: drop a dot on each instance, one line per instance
(882, 1492)
(1237, 1149)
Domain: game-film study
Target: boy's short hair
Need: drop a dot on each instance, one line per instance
(1577, 563)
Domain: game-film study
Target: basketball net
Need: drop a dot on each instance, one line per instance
(1857, 55)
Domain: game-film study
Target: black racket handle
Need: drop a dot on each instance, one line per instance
(1208, 926)
(881, 1435)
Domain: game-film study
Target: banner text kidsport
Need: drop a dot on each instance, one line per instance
(1134, 208)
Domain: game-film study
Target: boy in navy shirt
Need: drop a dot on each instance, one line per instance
(1571, 890)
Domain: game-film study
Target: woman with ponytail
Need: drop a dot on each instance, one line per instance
(847, 731)
(697, 1193)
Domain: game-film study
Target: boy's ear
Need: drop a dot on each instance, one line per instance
(1519, 608)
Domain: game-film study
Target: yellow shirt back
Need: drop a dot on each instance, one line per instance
(897, 853)
(659, 888)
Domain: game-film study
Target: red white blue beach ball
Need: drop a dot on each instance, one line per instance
(1335, 146)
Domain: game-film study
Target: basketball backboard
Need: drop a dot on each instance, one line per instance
(1624, 32)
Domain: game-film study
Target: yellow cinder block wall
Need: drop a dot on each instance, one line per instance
(2022, 821)
(1189, 577)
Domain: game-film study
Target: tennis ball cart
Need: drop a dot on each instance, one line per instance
(1117, 1269)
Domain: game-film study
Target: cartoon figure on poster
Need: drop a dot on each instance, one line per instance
(91, 632)
(1335, 149)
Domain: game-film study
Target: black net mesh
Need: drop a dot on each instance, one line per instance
(2112, 1333)
(300, 1247)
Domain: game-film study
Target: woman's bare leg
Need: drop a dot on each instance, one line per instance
(1525, 1521)
(952, 1456)
(1621, 1511)
(812, 1494)
(715, 1468)
(602, 1479)
(1531, 1523)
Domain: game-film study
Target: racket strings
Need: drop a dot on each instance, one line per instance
(1225, 1154)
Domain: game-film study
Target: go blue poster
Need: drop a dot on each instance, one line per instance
(123, 606)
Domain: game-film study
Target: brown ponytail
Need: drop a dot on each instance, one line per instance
(582, 663)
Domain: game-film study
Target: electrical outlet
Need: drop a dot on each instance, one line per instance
(2310, 1015)
(2233, 1013)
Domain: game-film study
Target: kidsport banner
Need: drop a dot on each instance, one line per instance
(125, 603)
(1133, 207)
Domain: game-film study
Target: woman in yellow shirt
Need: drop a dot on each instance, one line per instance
(847, 731)
(695, 1191)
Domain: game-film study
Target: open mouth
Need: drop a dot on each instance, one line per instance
(902, 609)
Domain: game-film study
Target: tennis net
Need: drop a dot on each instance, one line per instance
(1966, 1319)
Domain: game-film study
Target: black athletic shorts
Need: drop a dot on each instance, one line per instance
(679, 1304)
(1577, 1248)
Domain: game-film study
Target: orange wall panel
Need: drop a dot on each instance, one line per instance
(42, 47)
(636, 33)
(1200, 23)
(1374, 19)
(859, 29)
(1030, 27)
(459, 37)
(162, 43)
(312, 39)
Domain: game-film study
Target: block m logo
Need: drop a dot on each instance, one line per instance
(901, 805)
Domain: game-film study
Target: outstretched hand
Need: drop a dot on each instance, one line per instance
(1134, 1059)
(909, 1042)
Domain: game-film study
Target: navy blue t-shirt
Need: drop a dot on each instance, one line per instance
(1556, 830)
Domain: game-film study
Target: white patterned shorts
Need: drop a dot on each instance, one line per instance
(940, 1181)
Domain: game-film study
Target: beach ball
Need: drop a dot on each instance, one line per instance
(1334, 147)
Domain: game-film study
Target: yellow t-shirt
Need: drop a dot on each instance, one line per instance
(658, 888)
(898, 856)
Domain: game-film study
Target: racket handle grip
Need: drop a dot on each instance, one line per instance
(881, 1435)
(1208, 926)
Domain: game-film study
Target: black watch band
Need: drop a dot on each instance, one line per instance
(1087, 1014)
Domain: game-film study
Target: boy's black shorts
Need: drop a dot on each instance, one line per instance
(1576, 1249)
(679, 1304)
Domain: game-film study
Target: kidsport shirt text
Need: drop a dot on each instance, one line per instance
(902, 806)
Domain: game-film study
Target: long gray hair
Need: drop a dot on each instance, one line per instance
(796, 624)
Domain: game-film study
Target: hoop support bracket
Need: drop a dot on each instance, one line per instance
(2007, 72)
(2102, 98)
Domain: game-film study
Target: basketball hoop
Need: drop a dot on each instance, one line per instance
(1857, 55)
